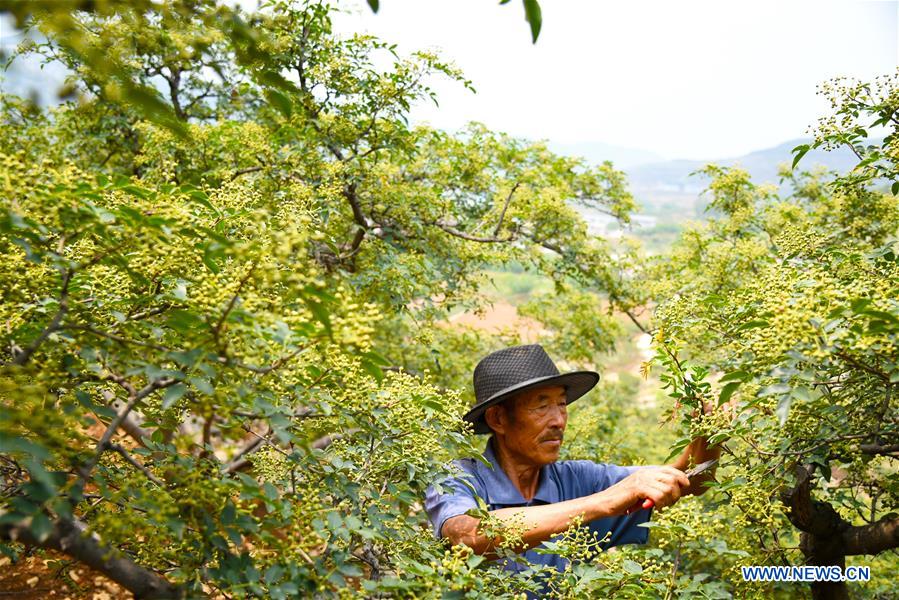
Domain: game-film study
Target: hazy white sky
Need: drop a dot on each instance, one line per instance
(683, 78)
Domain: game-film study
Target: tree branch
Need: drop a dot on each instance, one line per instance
(240, 460)
(116, 338)
(472, 238)
(502, 215)
(886, 450)
(241, 172)
(134, 463)
(865, 367)
(136, 397)
(817, 518)
(261, 370)
(217, 329)
(873, 538)
(70, 537)
(22, 358)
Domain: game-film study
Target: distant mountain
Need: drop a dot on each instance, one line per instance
(666, 189)
(674, 175)
(667, 194)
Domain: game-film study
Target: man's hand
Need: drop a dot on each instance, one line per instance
(663, 485)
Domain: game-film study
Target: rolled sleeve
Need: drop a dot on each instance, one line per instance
(624, 529)
(454, 499)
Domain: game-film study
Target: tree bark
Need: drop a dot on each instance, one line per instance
(827, 539)
(70, 537)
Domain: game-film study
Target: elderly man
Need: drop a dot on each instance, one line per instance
(522, 399)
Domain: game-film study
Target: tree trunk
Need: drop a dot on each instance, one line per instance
(827, 539)
(825, 552)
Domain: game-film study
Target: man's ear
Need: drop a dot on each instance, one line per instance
(495, 416)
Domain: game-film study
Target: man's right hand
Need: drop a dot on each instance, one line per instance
(663, 485)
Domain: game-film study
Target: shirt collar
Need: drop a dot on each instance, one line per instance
(503, 491)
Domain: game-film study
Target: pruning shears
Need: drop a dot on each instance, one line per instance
(697, 470)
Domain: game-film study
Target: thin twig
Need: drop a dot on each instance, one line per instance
(136, 397)
(472, 238)
(134, 463)
(22, 358)
(502, 215)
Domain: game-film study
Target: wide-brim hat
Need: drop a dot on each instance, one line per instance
(510, 371)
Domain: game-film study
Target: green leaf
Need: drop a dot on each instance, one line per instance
(895, 187)
(320, 313)
(200, 197)
(273, 573)
(136, 191)
(23, 446)
(772, 390)
(783, 409)
(40, 526)
(632, 567)
(203, 385)
(209, 259)
(678, 447)
(270, 491)
(373, 370)
(801, 393)
(824, 466)
(534, 17)
(727, 391)
(84, 399)
(752, 325)
(374, 4)
(172, 395)
(883, 315)
(335, 523)
(735, 376)
(799, 151)
(280, 101)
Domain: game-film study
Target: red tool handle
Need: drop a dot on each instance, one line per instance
(647, 503)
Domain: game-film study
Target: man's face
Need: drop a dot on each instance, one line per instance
(533, 424)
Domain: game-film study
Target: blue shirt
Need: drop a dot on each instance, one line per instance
(559, 481)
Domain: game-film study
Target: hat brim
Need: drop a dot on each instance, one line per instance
(576, 384)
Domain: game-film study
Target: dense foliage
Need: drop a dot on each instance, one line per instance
(228, 260)
(249, 293)
(794, 302)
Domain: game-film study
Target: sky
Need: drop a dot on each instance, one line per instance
(694, 79)
(675, 79)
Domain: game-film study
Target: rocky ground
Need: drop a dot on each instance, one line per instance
(51, 575)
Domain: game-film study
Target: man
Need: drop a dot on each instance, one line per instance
(521, 398)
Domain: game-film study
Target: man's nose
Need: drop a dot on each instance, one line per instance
(558, 417)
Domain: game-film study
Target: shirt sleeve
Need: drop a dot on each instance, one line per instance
(455, 498)
(623, 529)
